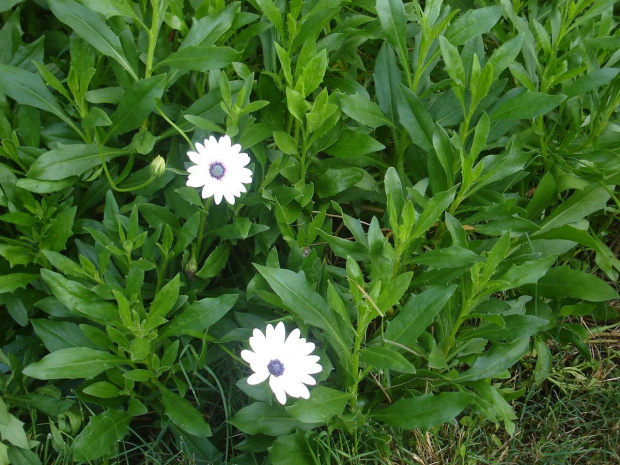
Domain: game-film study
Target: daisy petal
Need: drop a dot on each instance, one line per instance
(258, 377)
(278, 389)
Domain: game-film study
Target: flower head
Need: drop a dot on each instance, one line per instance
(219, 168)
(286, 361)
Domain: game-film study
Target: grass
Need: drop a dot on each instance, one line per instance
(572, 418)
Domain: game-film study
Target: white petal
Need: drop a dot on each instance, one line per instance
(280, 334)
(217, 197)
(236, 148)
(258, 377)
(224, 142)
(278, 390)
(195, 157)
(196, 169)
(195, 180)
(275, 337)
(230, 198)
(201, 149)
(293, 337)
(295, 389)
(248, 355)
(258, 341)
(307, 379)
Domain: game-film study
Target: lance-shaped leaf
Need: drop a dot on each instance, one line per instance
(73, 363)
(28, 89)
(71, 160)
(201, 58)
(101, 434)
(496, 360)
(136, 105)
(302, 300)
(91, 27)
(425, 411)
(417, 314)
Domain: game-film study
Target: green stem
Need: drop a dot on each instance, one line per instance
(178, 129)
(152, 33)
(355, 358)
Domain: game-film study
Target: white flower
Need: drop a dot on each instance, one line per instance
(287, 363)
(219, 169)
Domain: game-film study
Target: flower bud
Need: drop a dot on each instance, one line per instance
(191, 267)
(158, 166)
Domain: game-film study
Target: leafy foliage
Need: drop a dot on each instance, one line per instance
(432, 193)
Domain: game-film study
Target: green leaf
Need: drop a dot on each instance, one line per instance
(285, 143)
(71, 160)
(415, 118)
(262, 418)
(313, 72)
(472, 23)
(324, 404)
(101, 434)
(307, 304)
(184, 415)
(96, 117)
(514, 327)
(497, 359)
(166, 298)
(102, 389)
(201, 58)
(215, 262)
(335, 180)
(387, 77)
(93, 29)
(272, 13)
(111, 8)
(199, 316)
(417, 314)
(449, 257)
(38, 186)
(543, 197)
(291, 449)
(57, 335)
(362, 110)
(453, 61)
(393, 21)
(577, 207)
(354, 144)
(527, 105)
(28, 89)
(11, 282)
(14, 433)
(526, 273)
(394, 290)
(433, 210)
(505, 54)
(20, 456)
(563, 281)
(386, 358)
(591, 81)
(424, 412)
(136, 105)
(543, 360)
(73, 363)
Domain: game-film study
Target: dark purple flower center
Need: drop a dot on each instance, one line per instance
(217, 170)
(275, 367)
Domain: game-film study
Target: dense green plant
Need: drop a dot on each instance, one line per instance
(424, 175)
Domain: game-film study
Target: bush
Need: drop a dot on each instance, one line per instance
(420, 181)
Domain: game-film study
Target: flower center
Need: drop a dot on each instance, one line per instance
(217, 170)
(275, 367)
